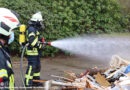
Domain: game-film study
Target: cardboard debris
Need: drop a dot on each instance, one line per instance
(102, 80)
(70, 75)
(117, 61)
(113, 77)
(128, 74)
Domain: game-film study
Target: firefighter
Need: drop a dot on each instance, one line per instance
(8, 21)
(32, 51)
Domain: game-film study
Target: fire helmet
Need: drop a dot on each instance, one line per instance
(8, 21)
(37, 17)
(37, 21)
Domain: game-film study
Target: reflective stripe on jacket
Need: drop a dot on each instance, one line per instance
(6, 72)
(33, 38)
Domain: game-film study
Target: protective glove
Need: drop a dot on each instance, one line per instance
(40, 45)
(1, 79)
(43, 40)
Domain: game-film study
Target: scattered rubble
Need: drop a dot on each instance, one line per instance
(116, 77)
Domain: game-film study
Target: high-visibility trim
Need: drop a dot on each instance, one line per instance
(28, 76)
(9, 64)
(38, 33)
(40, 46)
(36, 74)
(32, 52)
(35, 41)
(11, 82)
(3, 73)
(31, 34)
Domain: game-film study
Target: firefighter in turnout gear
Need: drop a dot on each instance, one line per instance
(32, 51)
(8, 21)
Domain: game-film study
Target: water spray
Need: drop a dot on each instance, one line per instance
(98, 48)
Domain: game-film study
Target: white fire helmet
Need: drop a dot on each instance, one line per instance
(37, 17)
(8, 21)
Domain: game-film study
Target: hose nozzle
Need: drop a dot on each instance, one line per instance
(47, 43)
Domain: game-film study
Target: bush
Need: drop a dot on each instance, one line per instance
(68, 18)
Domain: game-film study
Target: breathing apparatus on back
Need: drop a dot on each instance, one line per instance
(22, 35)
(22, 42)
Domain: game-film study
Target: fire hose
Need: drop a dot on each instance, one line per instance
(21, 65)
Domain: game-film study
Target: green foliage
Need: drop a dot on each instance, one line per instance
(68, 18)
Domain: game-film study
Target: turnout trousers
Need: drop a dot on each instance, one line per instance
(33, 70)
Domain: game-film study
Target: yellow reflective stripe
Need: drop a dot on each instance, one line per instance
(36, 74)
(29, 77)
(9, 64)
(31, 34)
(32, 53)
(35, 41)
(3, 73)
(11, 82)
(40, 46)
(38, 33)
(30, 69)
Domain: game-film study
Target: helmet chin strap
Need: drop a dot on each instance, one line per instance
(4, 39)
(3, 42)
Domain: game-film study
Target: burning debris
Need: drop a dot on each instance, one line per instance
(115, 77)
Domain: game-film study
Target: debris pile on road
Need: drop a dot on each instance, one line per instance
(117, 76)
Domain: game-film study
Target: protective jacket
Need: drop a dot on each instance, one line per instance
(6, 72)
(33, 38)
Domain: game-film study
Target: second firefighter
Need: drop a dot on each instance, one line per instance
(32, 51)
